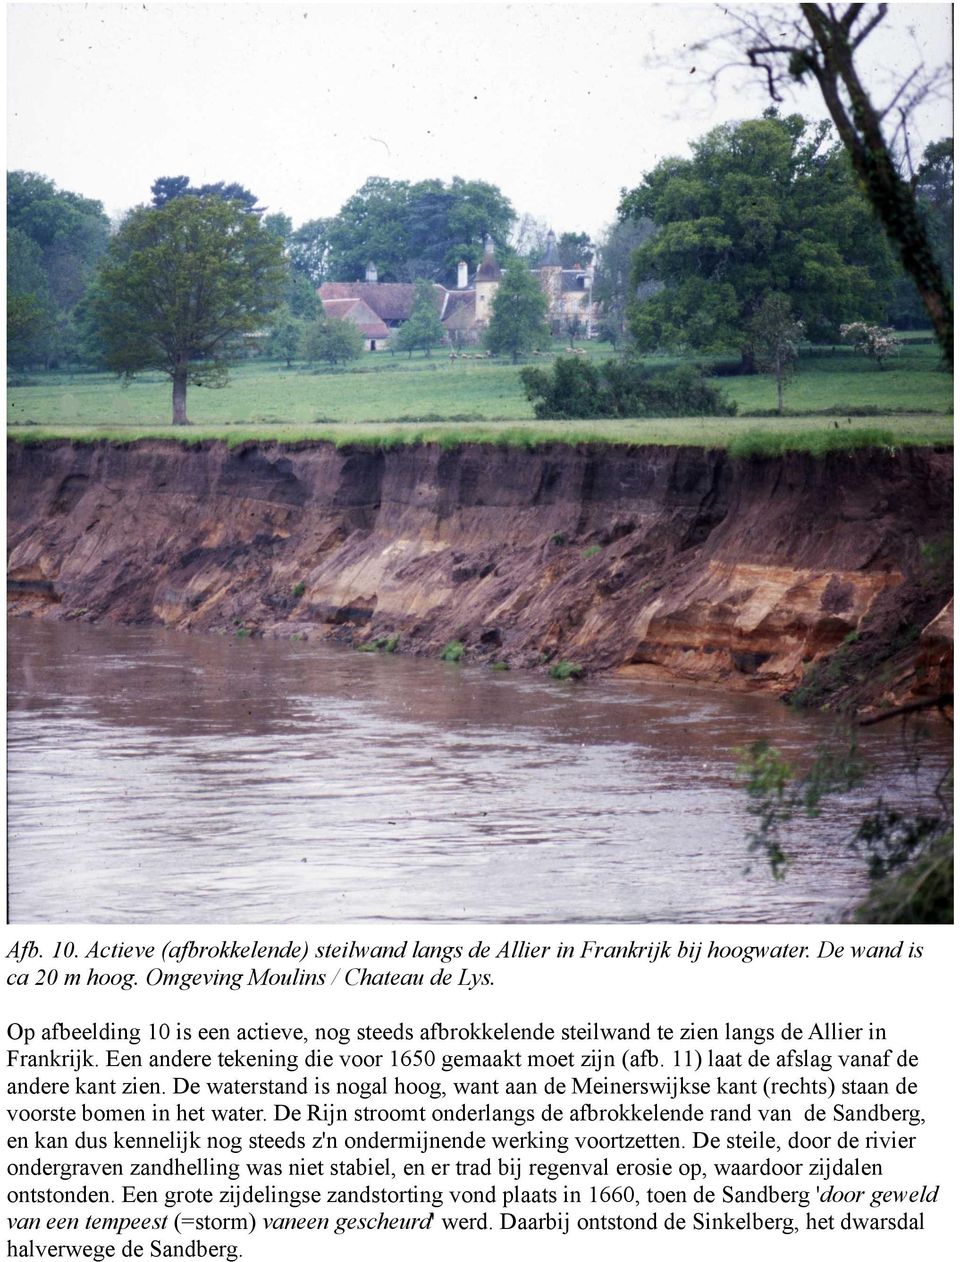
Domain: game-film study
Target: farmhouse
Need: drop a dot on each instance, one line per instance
(378, 308)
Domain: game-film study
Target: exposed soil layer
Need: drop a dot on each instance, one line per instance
(657, 561)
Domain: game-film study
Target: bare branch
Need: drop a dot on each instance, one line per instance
(875, 21)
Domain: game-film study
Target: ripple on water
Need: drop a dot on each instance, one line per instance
(162, 778)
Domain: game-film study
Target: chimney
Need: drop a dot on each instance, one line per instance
(371, 276)
(462, 274)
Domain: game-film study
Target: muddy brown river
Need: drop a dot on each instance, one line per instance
(157, 777)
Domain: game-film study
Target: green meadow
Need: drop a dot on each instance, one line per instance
(387, 399)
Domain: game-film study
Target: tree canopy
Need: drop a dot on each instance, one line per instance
(423, 330)
(613, 287)
(169, 187)
(575, 249)
(767, 205)
(824, 43)
(54, 239)
(179, 285)
(309, 248)
(332, 341)
(412, 231)
(518, 319)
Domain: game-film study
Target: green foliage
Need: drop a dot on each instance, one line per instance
(308, 248)
(933, 188)
(773, 337)
(382, 398)
(922, 894)
(762, 443)
(31, 314)
(179, 285)
(499, 666)
(301, 297)
(54, 239)
(591, 551)
(518, 319)
(170, 187)
(849, 663)
(423, 330)
(381, 644)
(286, 336)
(909, 854)
(297, 590)
(332, 341)
(575, 249)
(453, 651)
(777, 793)
(566, 670)
(415, 230)
(872, 340)
(760, 206)
(577, 388)
(613, 288)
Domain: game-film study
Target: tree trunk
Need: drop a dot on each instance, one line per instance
(180, 395)
(892, 199)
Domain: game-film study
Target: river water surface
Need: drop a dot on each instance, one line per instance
(157, 777)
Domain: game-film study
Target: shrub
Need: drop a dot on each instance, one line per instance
(873, 340)
(452, 651)
(298, 589)
(577, 389)
(566, 670)
(380, 644)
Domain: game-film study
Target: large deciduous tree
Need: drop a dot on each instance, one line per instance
(518, 320)
(613, 287)
(767, 205)
(824, 43)
(309, 249)
(54, 239)
(412, 231)
(575, 249)
(179, 285)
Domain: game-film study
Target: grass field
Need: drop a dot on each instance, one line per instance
(387, 399)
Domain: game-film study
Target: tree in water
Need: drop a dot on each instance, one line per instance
(180, 285)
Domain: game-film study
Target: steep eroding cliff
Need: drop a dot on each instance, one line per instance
(661, 561)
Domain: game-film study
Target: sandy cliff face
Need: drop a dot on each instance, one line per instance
(658, 561)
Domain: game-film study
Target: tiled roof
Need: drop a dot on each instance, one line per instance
(461, 309)
(390, 301)
(357, 312)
